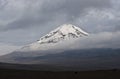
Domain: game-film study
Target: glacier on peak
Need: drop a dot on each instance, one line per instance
(64, 32)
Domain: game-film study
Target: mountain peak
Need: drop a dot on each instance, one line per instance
(56, 38)
(63, 32)
(69, 28)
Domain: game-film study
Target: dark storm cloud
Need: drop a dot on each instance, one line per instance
(50, 11)
(24, 23)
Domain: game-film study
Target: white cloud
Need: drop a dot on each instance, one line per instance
(95, 20)
(100, 40)
(7, 48)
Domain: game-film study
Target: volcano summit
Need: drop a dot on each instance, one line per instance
(66, 32)
(52, 43)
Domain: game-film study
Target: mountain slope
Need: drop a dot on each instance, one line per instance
(88, 59)
(57, 41)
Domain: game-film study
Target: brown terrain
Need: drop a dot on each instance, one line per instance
(34, 74)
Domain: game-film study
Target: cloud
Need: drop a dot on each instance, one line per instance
(100, 40)
(28, 13)
(7, 48)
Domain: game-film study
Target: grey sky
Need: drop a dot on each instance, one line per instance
(24, 21)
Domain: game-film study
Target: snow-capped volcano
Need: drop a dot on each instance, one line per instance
(57, 41)
(60, 34)
(64, 32)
